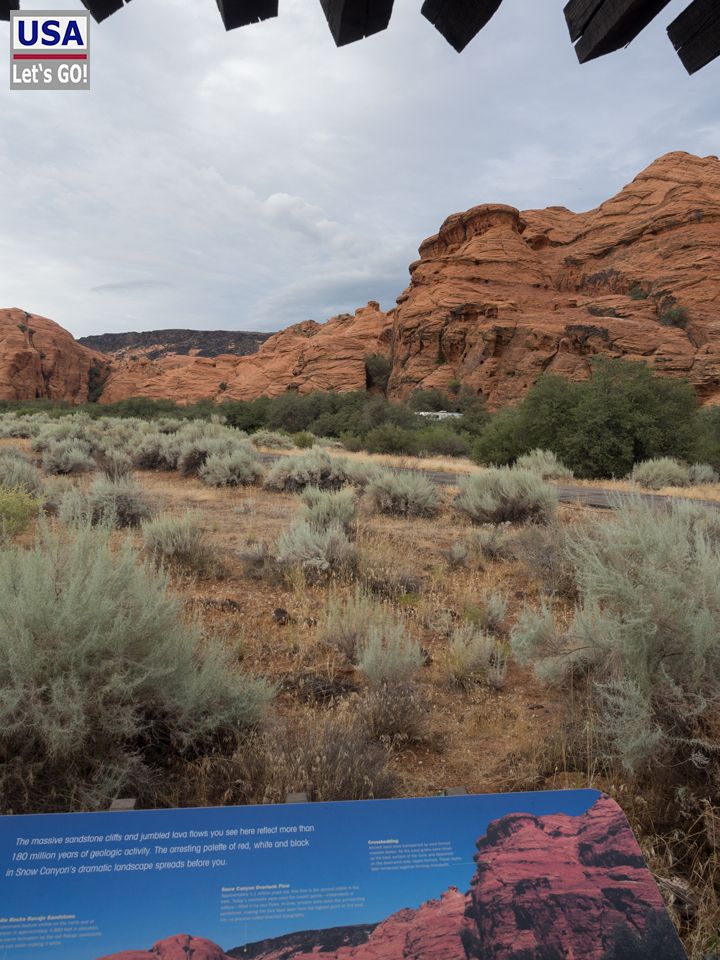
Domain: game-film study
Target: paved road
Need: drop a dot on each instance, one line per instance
(602, 498)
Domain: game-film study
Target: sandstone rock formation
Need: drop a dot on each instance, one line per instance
(180, 947)
(497, 297)
(545, 888)
(307, 356)
(40, 359)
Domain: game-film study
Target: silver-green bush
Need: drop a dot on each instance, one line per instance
(661, 472)
(179, 541)
(389, 655)
(545, 463)
(347, 621)
(318, 553)
(240, 468)
(119, 503)
(18, 473)
(469, 653)
(404, 494)
(67, 456)
(703, 473)
(314, 469)
(102, 681)
(325, 508)
(271, 440)
(646, 631)
(501, 494)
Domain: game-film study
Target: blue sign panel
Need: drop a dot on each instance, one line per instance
(533, 876)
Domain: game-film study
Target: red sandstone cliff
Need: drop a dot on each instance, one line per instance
(545, 888)
(497, 297)
(40, 359)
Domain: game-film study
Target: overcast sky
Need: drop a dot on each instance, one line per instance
(251, 179)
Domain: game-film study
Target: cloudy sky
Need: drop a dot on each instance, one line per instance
(253, 179)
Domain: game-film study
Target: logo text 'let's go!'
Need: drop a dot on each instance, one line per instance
(49, 50)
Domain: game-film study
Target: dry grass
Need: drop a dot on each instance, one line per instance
(478, 737)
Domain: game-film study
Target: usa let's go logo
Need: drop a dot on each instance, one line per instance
(49, 50)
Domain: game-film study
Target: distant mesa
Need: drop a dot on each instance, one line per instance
(544, 888)
(497, 297)
(154, 344)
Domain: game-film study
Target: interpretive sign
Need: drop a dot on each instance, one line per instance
(527, 876)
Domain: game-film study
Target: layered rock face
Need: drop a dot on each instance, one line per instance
(559, 886)
(40, 359)
(305, 357)
(499, 296)
(545, 888)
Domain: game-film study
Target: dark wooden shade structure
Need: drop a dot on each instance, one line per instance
(597, 27)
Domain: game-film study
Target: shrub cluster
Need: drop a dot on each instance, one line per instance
(119, 503)
(179, 541)
(404, 494)
(502, 495)
(102, 682)
(645, 632)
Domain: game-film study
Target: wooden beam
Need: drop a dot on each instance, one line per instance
(695, 34)
(241, 13)
(578, 14)
(101, 9)
(615, 24)
(459, 20)
(6, 6)
(351, 20)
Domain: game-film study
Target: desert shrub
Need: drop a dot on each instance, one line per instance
(391, 438)
(441, 440)
(16, 473)
(673, 315)
(318, 553)
(389, 655)
(330, 757)
(116, 464)
(237, 469)
(119, 503)
(304, 440)
(18, 427)
(315, 469)
(377, 370)
(663, 472)
(499, 495)
(645, 631)
(469, 653)
(17, 509)
(544, 551)
(67, 456)
(397, 712)
(458, 554)
(545, 463)
(272, 440)
(322, 509)
(494, 611)
(404, 494)
(102, 682)
(347, 621)
(193, 453)
(701, 473)
(156, 451)
(178, 541)
(491, 542)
